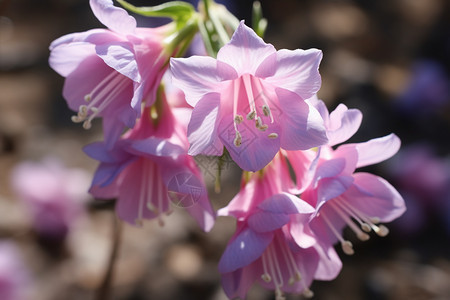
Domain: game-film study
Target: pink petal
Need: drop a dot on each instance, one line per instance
(330, 188)
(300, 231)
(330, 168)
(330, 264)
(65, 58)
(263, 221)
(115, 18)
(120, 56)
(377, 197)
(295, 70)
(154, 146)
(245, 248)
(301, 124)
(377, 150)
(202, 129)
(246, 51)
(343, 124)
(237, 283)
(286, 203)
(197, 76)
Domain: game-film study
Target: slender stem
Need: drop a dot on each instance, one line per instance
(104, 290)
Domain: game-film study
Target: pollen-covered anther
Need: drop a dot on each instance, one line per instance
(139, 222)
(151, 207)
(263, 127)
(307, 293)
(375, 220)
(87, 97)
(238, 119)
(279, 294)
(347, 247)
(266, 110)
(87, 124)
(365, 227)
(272, 135)
(258, 122)
(381, 230)
(363, 236)
(238, 139)
(266, 277)
(251, 115)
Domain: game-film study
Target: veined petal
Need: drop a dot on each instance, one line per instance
(246, 50)
(65, 58)
(115, 18)
(197, 76)
(202, 129)
(245, 248)
(154, 146)
(330, 168)
(120, 56)
(286, 203)
(295, 70)
(377, 197)
(377, 150)
(329, 263)
(343, 124)
(301, 124)
(263, 221)
(330, 188)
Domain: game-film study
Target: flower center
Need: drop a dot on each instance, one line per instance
(257, 111)
(273, 259)
(100, 98)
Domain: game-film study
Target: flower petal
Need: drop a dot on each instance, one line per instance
(246, 247)
(65, 58)
(295, 70)
(286, 203)
(377, 150)
(330, 188)
(197, 76)
(154, 146)
(120, 56)
(263, 221)
(376, 197)
(245, 51)
(115, 18)
(202, 129)
(301, 124)
(343, 124)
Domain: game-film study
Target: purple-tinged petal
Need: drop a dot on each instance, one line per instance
(295, 70)
(377, 198)
(300, 231)
(343, 124)
(377, 150)
(246, 51)
(112, 130)
(330, 168)
(197, 76)
(202, 129)
(263, 221)
(120, 56)
(330, 188)
(115, 18)
(304, 164)
(154, 146)
(349, 153)
(100, 152)
(286, 203)
(301, 124)
(65, 58)
(329, 263)
(245, 248)
(237, 283)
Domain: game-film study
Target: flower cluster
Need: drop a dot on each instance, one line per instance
(246, 99)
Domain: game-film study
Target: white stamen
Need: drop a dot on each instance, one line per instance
(251, 115)
(266, 110)
(238, 119)
(307, 293)
(272, 135)
(263, 127)
(258, 122)
(347, 247)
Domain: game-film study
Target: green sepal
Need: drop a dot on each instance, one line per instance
(259, 23)
(176, 10)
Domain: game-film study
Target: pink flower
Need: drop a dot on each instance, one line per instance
(53, 194)
(110, 72)
(273, 244)
(149, 168)
(338, 193)
(251, 100)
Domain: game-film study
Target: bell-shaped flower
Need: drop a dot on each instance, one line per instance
(251, 99)
(15, 279)
(148, 168)
(110, 72)
(53, 195)
(338, 193)
(273, 244)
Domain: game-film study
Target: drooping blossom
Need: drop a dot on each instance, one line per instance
(110, 72)
(53, 194)
(15, 279)
(338, 193)
(148, 168)
(251, 99)
(273, 244)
